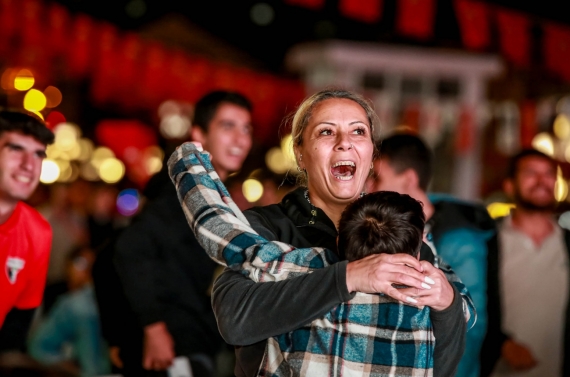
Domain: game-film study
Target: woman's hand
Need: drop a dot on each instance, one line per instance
(376, 274)
(439, 297)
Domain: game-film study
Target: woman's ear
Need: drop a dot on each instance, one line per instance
(299, 158)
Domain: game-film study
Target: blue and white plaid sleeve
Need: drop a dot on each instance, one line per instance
(222, 229)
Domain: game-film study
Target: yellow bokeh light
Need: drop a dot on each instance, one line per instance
(252, 190)
(287, 148)
(154, 151)
(66, 135)
(50, 171)
(275, 161)
(64, 170)
(153, 165)
(89, 172)
(38, 114)
(85, 149)
(34, 100)
(543, 142)
(24, 80)
(560, 189)
(111, 170)
(561, 127)
(499, 209)
(99, 155)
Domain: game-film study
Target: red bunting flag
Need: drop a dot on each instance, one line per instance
(415, 18)
(514, 36)
(528, 123)
(368, 11)
(58, 20)
(556, 42)
(310, 4)
(473, 19)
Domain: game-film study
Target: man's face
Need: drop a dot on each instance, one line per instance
(385, 178)
(533, 186)
(20, 165)
(228, 138)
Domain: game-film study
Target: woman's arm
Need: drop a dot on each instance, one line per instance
(249, 312)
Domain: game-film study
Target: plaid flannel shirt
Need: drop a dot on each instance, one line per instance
(371, 335)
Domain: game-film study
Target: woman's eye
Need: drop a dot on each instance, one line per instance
(325, 132)
(360, 131)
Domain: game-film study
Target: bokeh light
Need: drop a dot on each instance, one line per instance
(111, 170)
(34, 100)
(8, 77)
(560, 187)
(54, 118)
(53, 96)
(128, 202)
(275, 161)
(174, 126)
(99, 155)
(252, 190)
(262, 14)
(24, 80)
(50, 171)
(89, 172)
(85, 149)
(65, 170)
(66, 135)
(543, 142)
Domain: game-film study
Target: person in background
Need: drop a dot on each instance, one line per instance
(70, 335)
(463, 233)
(164, 272)
(25, 236)
(380, 222)
(66, 212)
(533, 274)
(333, 142)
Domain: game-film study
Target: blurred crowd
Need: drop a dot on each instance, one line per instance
(131, 295)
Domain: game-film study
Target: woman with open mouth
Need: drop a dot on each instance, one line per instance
(333, 142)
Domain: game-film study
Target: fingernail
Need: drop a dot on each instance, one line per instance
(426, 286)
(413, 301)
(429, 280)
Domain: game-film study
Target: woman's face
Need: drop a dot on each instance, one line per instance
(337, 150)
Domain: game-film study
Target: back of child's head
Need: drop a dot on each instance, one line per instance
(381, 222)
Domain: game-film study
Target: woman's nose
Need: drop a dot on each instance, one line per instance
(344, 142)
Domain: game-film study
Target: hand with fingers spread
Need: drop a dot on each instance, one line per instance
(439, 296)
(378, 273)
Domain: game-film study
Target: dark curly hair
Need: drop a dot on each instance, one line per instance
(381, 222)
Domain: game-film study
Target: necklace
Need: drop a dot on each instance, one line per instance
(314, 210)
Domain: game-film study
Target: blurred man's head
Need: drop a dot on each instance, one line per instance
(23, 142)
(222, 123)
(531, 176)
(404, 165)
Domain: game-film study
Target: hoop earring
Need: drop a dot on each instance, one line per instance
(299, 169)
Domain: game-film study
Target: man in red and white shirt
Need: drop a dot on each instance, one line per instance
(25, 236)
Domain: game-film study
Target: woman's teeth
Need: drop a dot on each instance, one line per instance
(343, 170)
